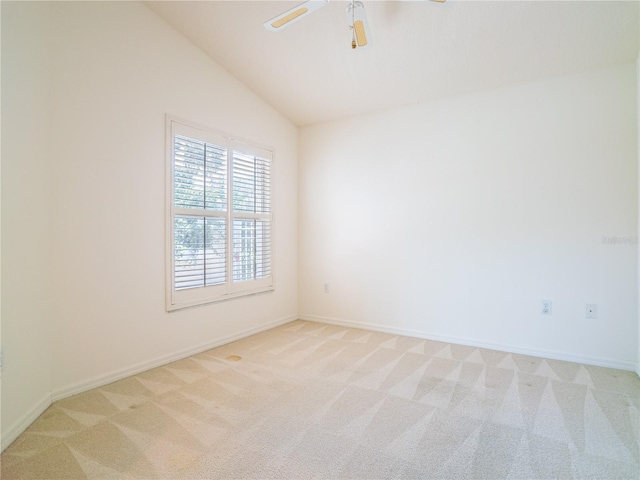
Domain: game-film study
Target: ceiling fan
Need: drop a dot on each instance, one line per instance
(356, 19)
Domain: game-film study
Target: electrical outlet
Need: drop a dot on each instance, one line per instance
(546, 307)
(326, 288)
(591, 311)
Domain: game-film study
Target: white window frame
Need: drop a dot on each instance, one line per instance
(189, 297)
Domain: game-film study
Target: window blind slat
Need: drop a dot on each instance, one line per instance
(200, 174)
(251, 183)
(251, 249)
(200, 245)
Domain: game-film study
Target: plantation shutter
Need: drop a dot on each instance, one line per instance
(251, 213)
(200, 194)
(200, 174)
(219, 217)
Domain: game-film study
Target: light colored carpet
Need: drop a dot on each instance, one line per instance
(307, 400)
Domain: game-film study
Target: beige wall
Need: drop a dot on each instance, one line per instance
(638, 138)
(454, 219)
(27, 318)
(86, 303)
(111, 92)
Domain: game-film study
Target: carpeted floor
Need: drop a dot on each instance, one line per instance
(307, 400)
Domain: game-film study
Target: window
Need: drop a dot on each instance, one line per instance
(219, 225)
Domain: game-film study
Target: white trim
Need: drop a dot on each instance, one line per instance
(185, 298)
(638, 205)
(168, 214)
(116, 375)
(22, 423)
(600, 362)
(250, 148)
(227, 296)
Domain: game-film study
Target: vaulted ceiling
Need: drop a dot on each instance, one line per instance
(420, 50)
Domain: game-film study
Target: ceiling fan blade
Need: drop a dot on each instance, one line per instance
(357, 19)
(294, 14)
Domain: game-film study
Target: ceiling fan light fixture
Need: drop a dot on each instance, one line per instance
(361, 34)
(357, 20)
(294, 14)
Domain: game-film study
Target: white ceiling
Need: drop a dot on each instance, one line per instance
(420, 50)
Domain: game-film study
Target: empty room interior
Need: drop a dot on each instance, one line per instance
(277, 239)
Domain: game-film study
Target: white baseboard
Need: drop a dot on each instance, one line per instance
(600, 362)
(116, 375)
(24, 421)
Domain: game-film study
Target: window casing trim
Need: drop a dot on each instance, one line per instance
(175, 300)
